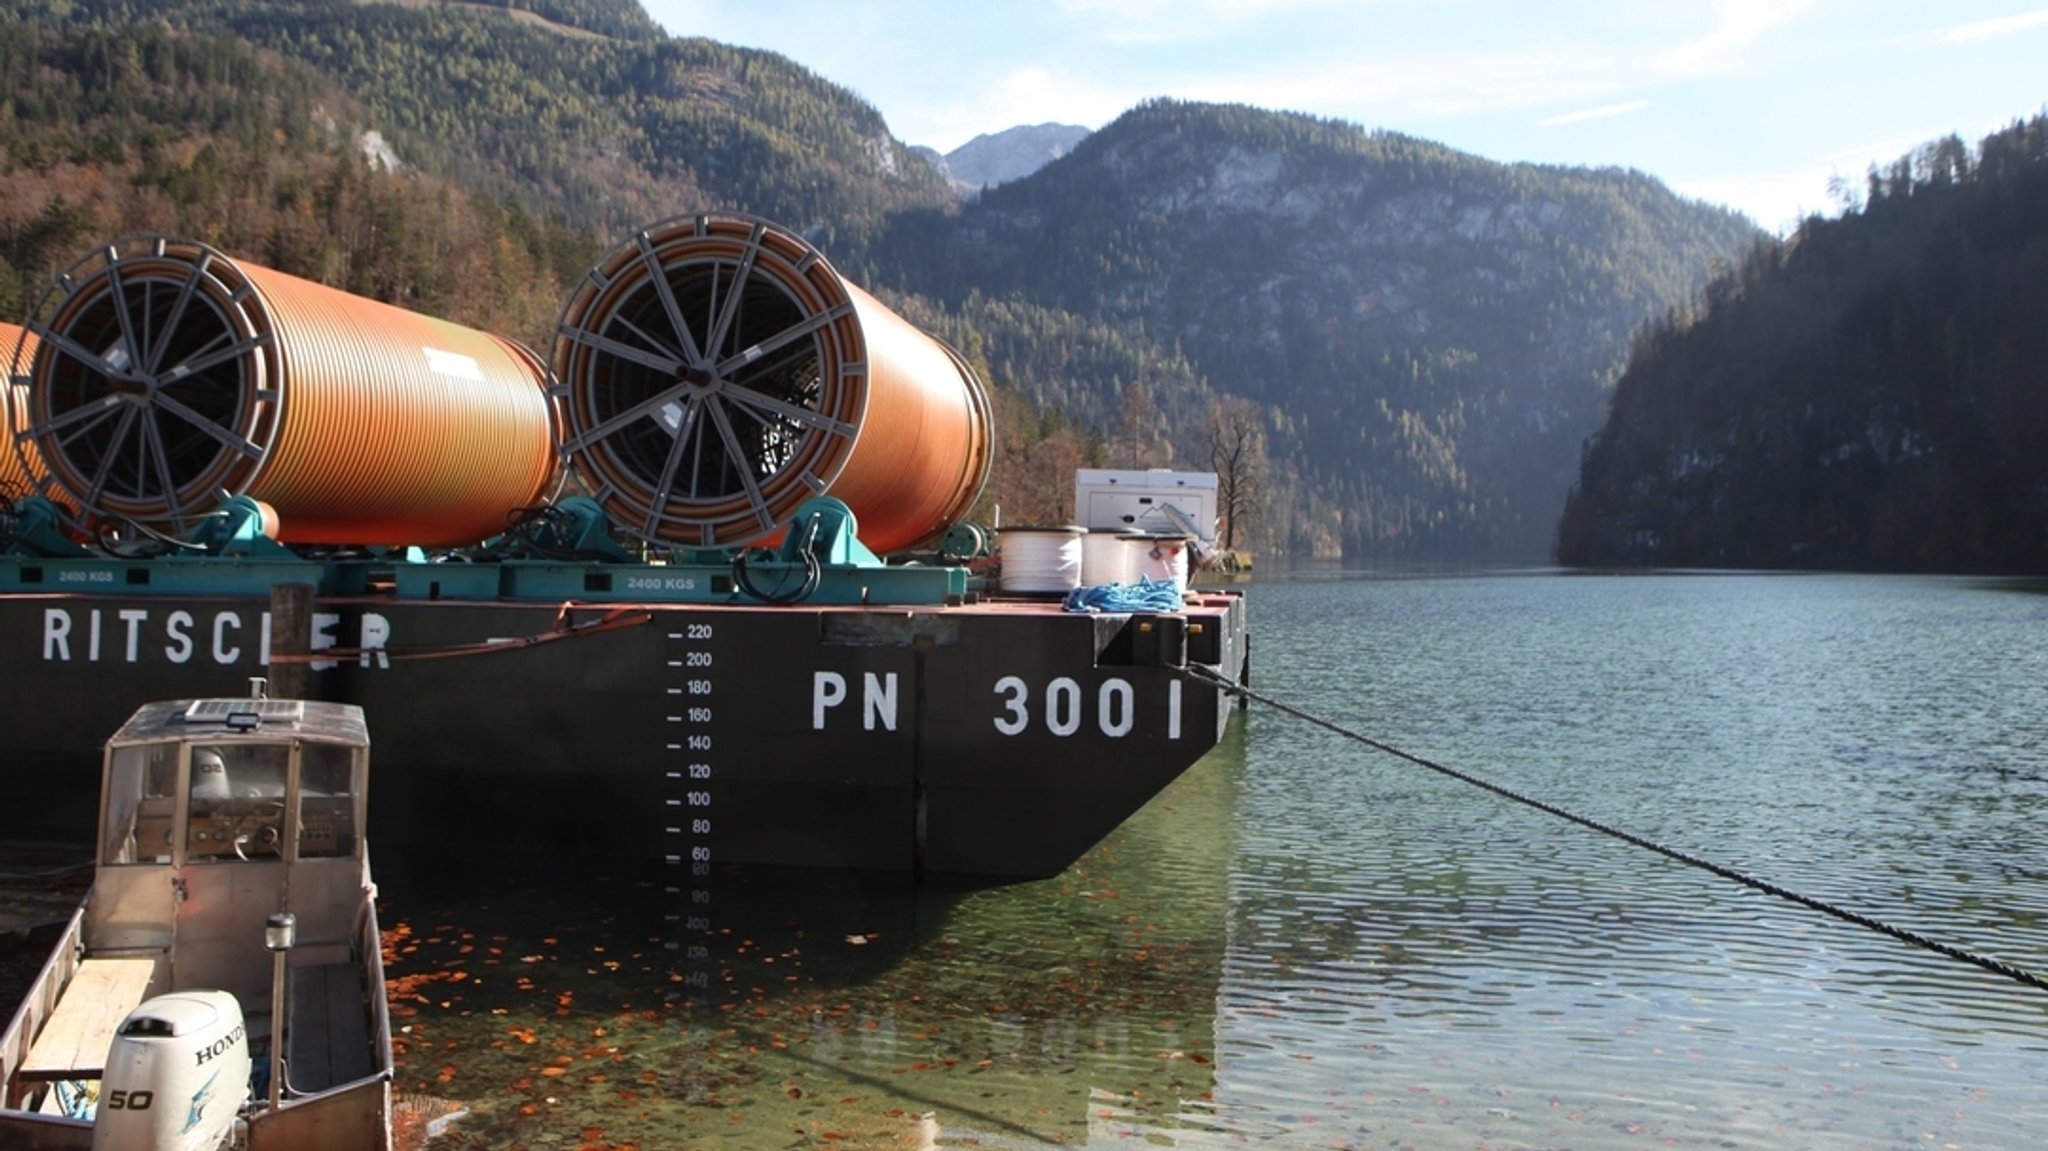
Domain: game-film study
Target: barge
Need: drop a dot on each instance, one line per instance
(730, 611)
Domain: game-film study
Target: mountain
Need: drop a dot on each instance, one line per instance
(578, 108)
(610, 19)
(1431, 335)
(1419, 338)
(565, 124)
(1870, 394)
(1011, 154)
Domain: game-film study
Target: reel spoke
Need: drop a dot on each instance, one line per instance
(685, 429)
(186, 291)
(84, 414)
(228, 438)
(654, 361)
(209, 360)
(795, 413)
(644, 409)
(731, 308)
(111, 458)
(736, 459)
(63, 342)
(118, 297)
(782, 339)
(669, 306)
(151, 443)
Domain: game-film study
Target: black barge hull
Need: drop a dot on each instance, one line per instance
(991, 739)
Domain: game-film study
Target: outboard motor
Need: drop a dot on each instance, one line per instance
(177, 1074)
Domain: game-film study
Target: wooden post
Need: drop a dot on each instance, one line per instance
(291, 634)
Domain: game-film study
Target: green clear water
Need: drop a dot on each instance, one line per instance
(1304, 943)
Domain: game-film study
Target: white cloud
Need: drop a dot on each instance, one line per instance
(1982, 30)
(1779, 199)
(1758, 103)
(1038, 95)
(1776, 201)
(1414, 88)
(1740, 24)
(1159, 22)
(1605, 112)
(1021, 96)
(1133, 11)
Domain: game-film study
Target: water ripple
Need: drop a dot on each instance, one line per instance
(1874, 744)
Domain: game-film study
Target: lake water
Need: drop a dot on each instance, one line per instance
(1306, 943)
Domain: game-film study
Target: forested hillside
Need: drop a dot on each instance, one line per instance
(1419, 339)
(106, 132)
(605, 131)
(1871, 394)
(1430, 334)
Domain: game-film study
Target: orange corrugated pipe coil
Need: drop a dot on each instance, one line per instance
(170, 376)
(718, 373)
(21, 466)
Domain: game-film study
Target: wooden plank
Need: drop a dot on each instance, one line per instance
(73, 1044)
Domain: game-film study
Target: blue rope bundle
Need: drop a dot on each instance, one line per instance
(1147, 594)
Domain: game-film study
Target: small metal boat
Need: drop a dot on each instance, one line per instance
(221, 984)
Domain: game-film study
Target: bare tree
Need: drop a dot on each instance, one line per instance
(1137, 428)
(1047, 495)
(1032, 477)
(1237, 454)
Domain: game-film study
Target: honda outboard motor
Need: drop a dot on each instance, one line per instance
(177, 1074)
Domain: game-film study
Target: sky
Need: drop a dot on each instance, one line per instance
(1755, 104)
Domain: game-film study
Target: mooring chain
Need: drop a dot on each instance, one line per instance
(2017, 974)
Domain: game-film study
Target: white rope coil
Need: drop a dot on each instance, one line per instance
(1040, 559)
(1160, 557)
(1106, 558)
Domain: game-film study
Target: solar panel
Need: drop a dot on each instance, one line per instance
(265, 710)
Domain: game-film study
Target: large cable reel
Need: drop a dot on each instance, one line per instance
(716, 372)
(170, 377)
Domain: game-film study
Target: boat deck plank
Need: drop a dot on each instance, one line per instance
(73, 1044)
(329, 1031)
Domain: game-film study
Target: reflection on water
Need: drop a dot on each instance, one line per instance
(657, 1010)
(1306, 944)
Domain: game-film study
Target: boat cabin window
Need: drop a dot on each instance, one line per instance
(327, 800)
(237, 801)
(238, 771)
(141, 793)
